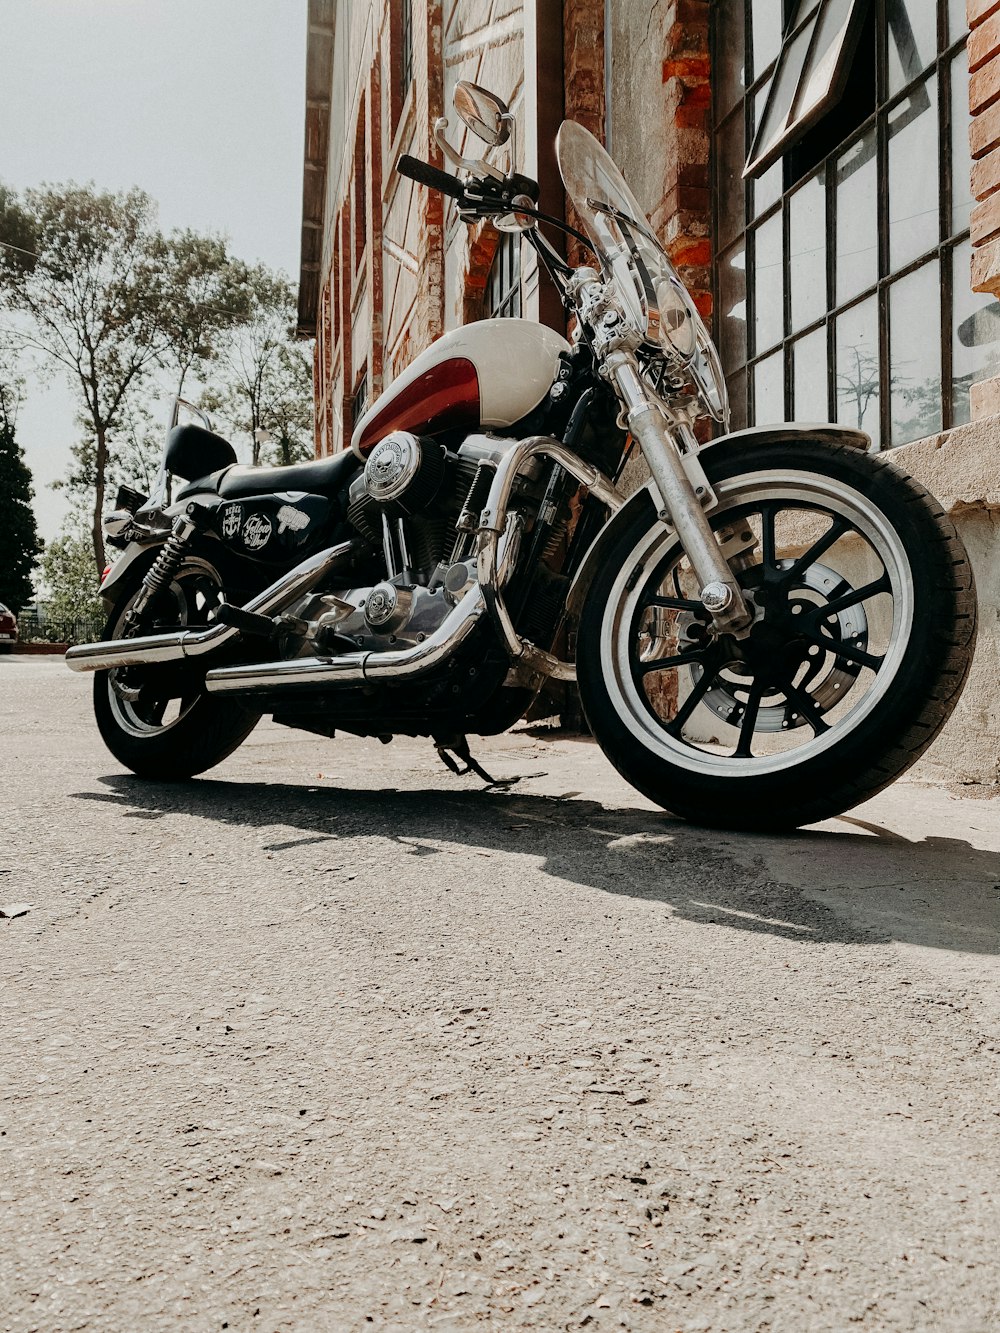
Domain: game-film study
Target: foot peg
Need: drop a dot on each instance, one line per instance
(247, 622)
(455, 751)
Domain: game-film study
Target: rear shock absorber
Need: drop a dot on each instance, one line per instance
(163, 568)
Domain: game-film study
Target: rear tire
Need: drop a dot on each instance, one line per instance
(853, 743)
(158, 721)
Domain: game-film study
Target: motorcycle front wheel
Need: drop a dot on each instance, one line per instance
(864, 629)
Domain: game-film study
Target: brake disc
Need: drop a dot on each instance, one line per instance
(827, 679)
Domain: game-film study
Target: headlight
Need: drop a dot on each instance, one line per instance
(677, 331)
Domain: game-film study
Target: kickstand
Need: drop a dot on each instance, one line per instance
(457, 748)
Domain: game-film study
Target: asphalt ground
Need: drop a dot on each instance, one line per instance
(330, 1039)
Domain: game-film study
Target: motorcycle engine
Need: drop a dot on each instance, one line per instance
(406, 504)
(419, 482)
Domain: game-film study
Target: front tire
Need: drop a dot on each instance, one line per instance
(158, 721)
(863, 638)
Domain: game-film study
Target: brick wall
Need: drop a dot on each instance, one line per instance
(384, 295)
(984, 139)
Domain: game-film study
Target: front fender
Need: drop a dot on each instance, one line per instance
(647, 496)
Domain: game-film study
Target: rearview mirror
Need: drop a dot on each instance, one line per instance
(484, 113)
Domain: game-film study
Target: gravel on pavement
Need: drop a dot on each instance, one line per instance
(330, 1039)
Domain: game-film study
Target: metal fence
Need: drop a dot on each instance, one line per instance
(33, 628)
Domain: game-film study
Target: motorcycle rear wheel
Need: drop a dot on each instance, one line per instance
(158, 721)
(865, 625)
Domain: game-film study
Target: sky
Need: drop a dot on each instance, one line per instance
(199, 102)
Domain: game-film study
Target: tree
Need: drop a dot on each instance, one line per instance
(19, 541)
(859, 380)
(70, 588)
(203, 293)
(85, 275)
(261, 378)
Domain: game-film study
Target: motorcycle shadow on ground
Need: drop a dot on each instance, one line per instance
(864, 884)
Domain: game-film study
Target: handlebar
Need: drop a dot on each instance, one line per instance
(432, 177)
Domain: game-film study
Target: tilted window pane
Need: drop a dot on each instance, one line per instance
(961, 156)
(733, 309)
(857, 218)
(810, 76)
(807, 252)
(858, 388)
(822, 72)
(767, 187)
(914, 210)
(729, 73)
(915, 354)
(912, 39)
(777, 110)
(766, 34)
(769, 391)
(810, 363)
(768, 285)
(976, 345)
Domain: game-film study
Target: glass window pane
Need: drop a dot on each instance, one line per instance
(857, 219)
(737, 387)
(958, 21)
(821, 74)
(768, 187)
(728, 75)
(914, 223)
(915, 355)
(961, 156)
(769, 390)
(810, 366)
(733, 309)
(730, 186)
(912, 39)
(807, 252)
(766, 35)
(768, 285)
(857, 368)
(776, 110)
(976, 344)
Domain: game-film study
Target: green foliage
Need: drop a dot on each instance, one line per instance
(106, 297)
(19, 541)
(203, 294)
(70, 590)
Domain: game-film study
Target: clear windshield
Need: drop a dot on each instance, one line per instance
(633, 258)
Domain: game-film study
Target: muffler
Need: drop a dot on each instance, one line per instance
(153, 649)
(352, 668)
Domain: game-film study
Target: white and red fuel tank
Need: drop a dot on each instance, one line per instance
(488, 374)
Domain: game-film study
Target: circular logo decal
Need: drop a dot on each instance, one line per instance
(256, 532)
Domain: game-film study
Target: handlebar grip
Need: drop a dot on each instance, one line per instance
(434, 179)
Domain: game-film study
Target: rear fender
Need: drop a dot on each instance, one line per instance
(122, 565)
(648, 497)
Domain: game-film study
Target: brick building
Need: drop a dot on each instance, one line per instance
(825, 174)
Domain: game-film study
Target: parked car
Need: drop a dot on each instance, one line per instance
(8, 629)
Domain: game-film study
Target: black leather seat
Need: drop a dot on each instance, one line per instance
(320, 476)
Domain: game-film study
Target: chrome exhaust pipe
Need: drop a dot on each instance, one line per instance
(353, 668)
(153, 649)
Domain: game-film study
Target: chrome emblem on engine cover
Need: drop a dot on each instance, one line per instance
(392, 466)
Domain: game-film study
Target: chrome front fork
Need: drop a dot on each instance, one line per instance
(681, 504)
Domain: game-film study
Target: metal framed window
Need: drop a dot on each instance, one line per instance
(842, 268)
(359, 399)
(405, 45)
(503, 286)
(810, 75)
